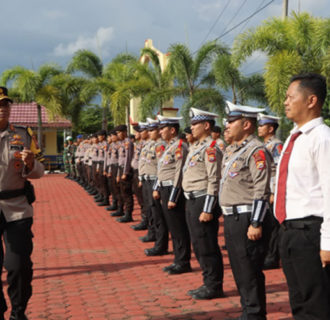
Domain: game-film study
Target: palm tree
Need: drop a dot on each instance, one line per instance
(228, 77)
(298, 44)
(123, 74)
(34, 86)
(91, 66)
(193, 76)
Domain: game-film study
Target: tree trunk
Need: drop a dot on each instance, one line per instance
(234, 93)
(104, 118)
(39, 126)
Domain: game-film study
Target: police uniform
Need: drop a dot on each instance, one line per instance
(16, 197)
(169, 178)
(137, 190)
(201, 175)
(104, 192)
(274, 147)
(117, 202)
(244, 194)
(159, 225)
(125, 155)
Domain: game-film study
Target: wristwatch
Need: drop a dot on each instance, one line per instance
(255, 224)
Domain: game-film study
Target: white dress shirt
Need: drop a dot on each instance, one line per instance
(308, 181)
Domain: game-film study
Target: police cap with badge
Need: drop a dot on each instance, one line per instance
(168, 121)
(235, 112)
(152, 124)
(197, 115)
(267, 119)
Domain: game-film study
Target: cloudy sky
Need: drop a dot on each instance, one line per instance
(41, 31)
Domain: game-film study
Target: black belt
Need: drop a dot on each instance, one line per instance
(301, 223)
(11, 193)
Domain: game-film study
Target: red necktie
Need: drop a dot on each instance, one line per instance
(281, 184)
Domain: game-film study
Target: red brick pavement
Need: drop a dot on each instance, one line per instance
(89, 266)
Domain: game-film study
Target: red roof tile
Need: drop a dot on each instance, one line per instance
(26, 114)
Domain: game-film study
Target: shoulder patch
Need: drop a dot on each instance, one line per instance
(260, 159)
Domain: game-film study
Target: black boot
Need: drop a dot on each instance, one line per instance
(113, 206)
(143, 225)
(17, 315)
(105, 202)
(118, 213)
(126, 218)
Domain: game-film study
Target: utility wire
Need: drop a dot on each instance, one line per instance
(216, 21)
(243, 21)
(235, 15)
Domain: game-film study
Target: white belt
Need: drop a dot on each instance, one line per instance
(194, 194)
(150, 177)
(227, 211)
(166, 183)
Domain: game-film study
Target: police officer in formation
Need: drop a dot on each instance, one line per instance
(20, 160)
(244, 195)
(201, 175)
(168, 189)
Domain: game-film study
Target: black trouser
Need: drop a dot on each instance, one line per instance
(136, 189)
(17, 238)
(102, 182)
(94, 176)
(158, 218)
(148, 203)
(246, 259)
(126, 192)
(204, 239)
(273, 254)
(115, 185)
(177, 225)
(309, 283)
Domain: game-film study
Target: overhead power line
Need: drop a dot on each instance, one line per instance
(216, 21)
(243, 21)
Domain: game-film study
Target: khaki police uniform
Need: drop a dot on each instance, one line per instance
(125, 155)
(16, 214)
(244, 192)
(169, 180)
(201, 175)
(153, 154)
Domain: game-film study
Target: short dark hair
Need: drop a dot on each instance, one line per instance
(314, 82)
(176, 126)
(274, 125)
(216, 129)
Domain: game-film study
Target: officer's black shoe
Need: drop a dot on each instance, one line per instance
(154, 252)
(103, 203)
(126, 218)
(93, 192)
(101, 199)
(224, 247)
(205, 293)
(147, 238)
(117, 213)
(113, 206)
(98, 196)
(271, 264)
(191, 292)
(180, 269)
(140, 226)
(168, 268)
(17, 315)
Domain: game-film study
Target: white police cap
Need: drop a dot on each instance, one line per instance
(152, 124)
(197, 115)
(265, 119)
(235, 111)
(143, 126)
(68, 138)
(168, 121)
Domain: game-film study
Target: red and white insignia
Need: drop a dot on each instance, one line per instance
(260, 159)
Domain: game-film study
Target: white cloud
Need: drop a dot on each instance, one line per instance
(95, 43)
